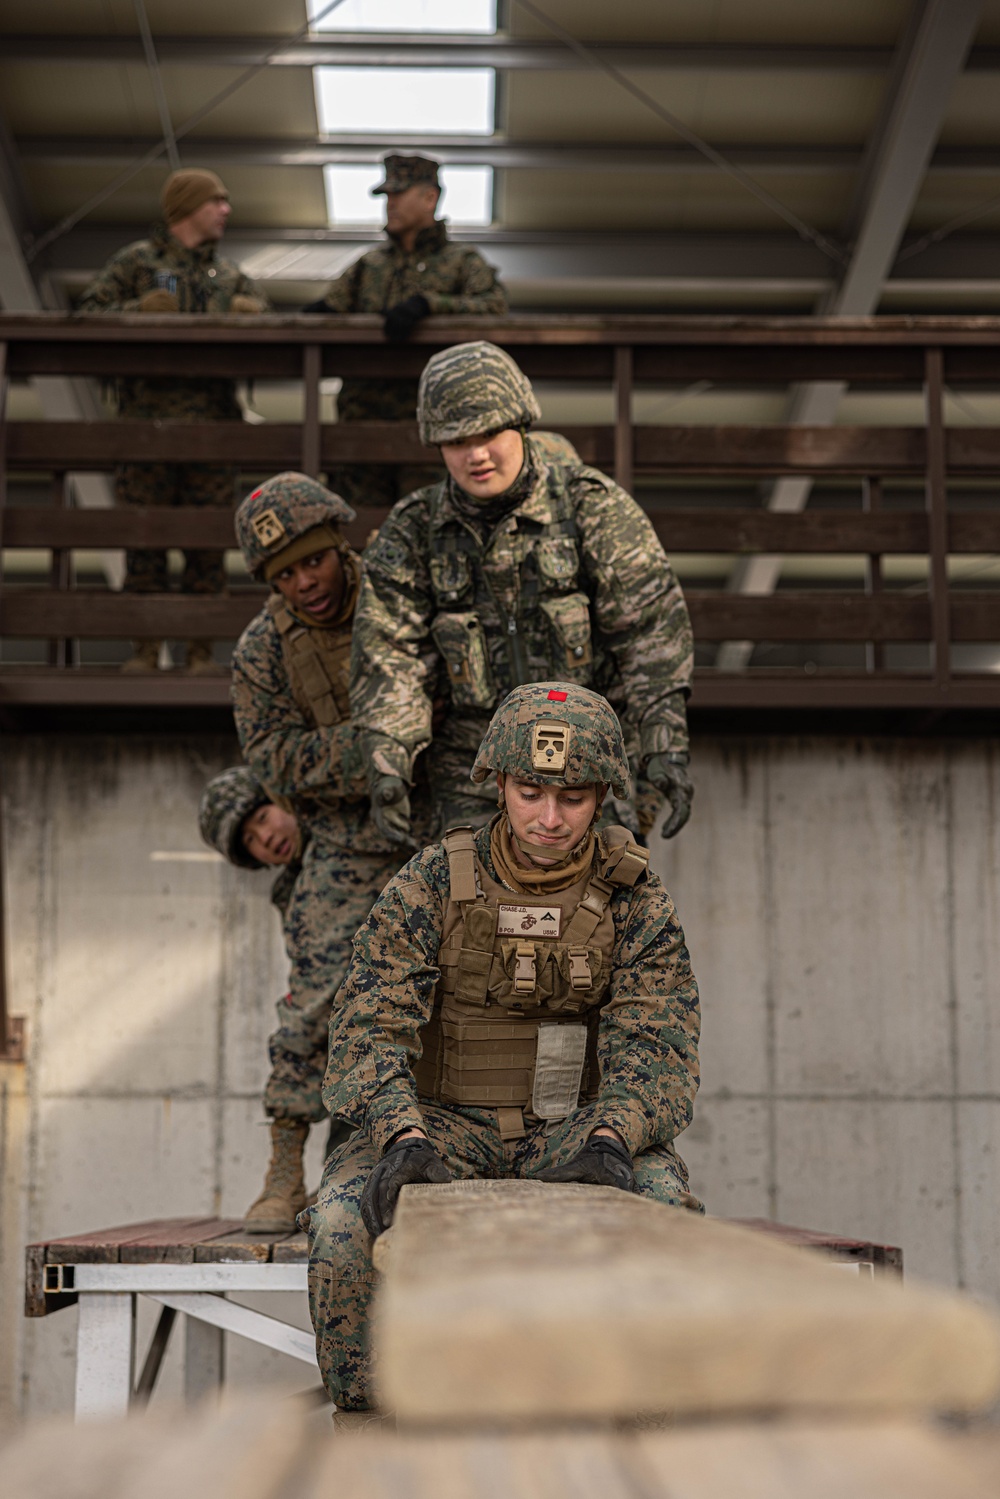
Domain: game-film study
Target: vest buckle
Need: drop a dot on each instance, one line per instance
(525, 981)
(580, 976)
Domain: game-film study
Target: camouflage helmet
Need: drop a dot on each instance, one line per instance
(556, 734)
(472, 388)
(226, 803)
(271, 518)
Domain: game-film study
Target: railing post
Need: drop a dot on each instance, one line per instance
(937, 519)
(623, 417)
(312, 367)
(60, 651)
(871, 501)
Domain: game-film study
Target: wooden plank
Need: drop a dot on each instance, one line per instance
(99, 614)
(890, 1256)
(174, 1243)
(99, 1246)
(627, 1305)
(680, 530)
(239, 1247)
(729, 450)
(291, 1251)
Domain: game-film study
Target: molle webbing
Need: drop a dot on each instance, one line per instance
(318, 665)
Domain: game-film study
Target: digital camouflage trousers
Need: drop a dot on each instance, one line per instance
(333, 895)
(341, 1275)
(175, 484)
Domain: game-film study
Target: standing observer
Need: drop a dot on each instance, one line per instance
(177, 270)
(419, 272)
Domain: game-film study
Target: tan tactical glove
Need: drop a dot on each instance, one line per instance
(245, 305)
(159, 301)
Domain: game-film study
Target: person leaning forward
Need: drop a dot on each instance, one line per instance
(177, 270)
(518, 567)
(237, 817)
(520, 1003)
(419, 272)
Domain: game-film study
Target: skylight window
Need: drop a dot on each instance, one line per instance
(408, 15)
(405, 101)
(467, 196)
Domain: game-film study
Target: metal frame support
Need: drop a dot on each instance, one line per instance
(937, 519)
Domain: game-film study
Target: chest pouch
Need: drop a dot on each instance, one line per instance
(558, 561)
(530, 976)
(451, 578)
(461, 640)
(569, 622)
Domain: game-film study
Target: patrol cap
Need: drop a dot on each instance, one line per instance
(473, 388)
(272, 523)
(226, 803)
(402, 172)
(555, 734)
(186, 190)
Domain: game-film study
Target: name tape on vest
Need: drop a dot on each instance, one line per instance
(534, 921)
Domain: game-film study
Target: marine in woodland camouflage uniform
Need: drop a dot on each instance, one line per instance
(405, 282)
(162, 275)
(562, 574)
(647, 1030)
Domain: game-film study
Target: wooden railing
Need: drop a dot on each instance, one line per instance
(621, 354)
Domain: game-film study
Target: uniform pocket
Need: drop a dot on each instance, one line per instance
(569, 621)
(558, 561)
(461, 640)
(451, 577)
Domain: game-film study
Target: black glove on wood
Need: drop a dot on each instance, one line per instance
(319, 306)
(403, 317)
(406, 1161)
(603, 1162)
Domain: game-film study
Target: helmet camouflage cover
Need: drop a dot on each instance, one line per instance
(555, 734)
(226, 803)
(283, 508)
(472, 388)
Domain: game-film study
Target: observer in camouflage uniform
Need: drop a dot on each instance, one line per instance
(646, 1043)
(145, 276)
(451, 279)
(561, 575)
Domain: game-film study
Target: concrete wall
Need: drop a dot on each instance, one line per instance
(840, 900)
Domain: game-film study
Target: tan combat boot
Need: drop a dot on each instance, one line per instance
(145, 656)
(199, 659)
(284, 1192)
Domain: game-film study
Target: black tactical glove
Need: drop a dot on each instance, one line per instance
(668, 773)
(403, 317)
(603, 1162)
(406, 1161)
(391, 809)
(319, 307)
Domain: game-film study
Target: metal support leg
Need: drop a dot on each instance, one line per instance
(204, 1360)
(105, 1355)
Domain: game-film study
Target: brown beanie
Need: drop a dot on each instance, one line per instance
(185, 192)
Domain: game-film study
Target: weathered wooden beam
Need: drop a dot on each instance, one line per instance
(514, 1300)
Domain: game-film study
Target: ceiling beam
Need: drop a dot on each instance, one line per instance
(413, 49)
(571, 155)
(931, 58)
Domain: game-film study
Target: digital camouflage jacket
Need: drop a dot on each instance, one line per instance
(455, 279)
(316, 770)
(570, 584)
(202, 282)
(647, 1040)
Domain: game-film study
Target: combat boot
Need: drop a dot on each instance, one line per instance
(145, 656)
(200, 662)
(284, 1192)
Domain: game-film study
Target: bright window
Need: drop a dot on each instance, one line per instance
(408, 15)
(467, 196)
(405, 101)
